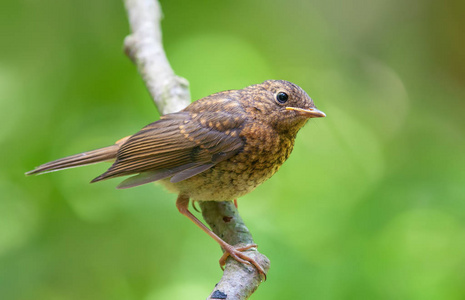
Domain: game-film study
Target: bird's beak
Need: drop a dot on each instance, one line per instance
(309, 113)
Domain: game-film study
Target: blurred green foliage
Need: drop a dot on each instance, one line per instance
(369, 206)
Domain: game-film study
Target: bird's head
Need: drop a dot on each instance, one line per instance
(282, 104)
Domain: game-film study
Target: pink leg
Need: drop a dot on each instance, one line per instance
(182, 204)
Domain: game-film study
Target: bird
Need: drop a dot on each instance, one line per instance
(218, 148)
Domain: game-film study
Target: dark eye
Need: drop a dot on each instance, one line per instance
(282, 97)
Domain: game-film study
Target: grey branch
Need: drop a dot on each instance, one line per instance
(144, 46)
(171, 94)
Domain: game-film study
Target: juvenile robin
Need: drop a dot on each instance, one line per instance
(219, 148)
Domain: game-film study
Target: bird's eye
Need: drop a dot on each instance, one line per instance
(282, 97)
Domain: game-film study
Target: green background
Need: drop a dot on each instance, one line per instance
(370, 205)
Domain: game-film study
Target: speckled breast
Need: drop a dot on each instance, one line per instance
(264, 152)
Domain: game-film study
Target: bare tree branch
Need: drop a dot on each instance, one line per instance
(144, 46)
(170, 94)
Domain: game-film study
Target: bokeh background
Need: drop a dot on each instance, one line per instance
(370, 205)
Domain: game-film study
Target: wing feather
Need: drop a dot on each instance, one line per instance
(150, 176)
(188, 173)
(178, 146)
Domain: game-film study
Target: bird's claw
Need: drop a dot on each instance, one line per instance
(194, 202)
(238, 255)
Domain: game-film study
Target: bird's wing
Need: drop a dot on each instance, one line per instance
(179, 146)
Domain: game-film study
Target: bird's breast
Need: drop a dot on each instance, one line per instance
(263, 153)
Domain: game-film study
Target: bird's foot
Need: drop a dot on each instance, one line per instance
(237, 254)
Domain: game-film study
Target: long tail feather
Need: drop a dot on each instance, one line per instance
(77, 160)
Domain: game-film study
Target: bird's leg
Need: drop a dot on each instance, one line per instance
(235, 203)
(182, 203)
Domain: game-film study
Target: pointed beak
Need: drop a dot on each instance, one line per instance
(309, 113)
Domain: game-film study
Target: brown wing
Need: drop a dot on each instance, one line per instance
(179, 146)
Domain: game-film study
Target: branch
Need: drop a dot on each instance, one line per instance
(239, 281)
(171, 94)
(144, 46)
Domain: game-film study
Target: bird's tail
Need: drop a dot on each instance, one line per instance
(81, 159)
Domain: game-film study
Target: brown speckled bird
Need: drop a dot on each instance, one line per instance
(218, 148)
